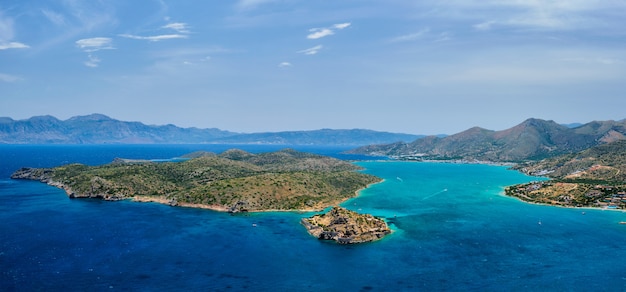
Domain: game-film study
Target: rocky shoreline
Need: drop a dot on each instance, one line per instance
(44, 175)
(346, 227)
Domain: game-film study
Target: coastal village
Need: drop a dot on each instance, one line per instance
(569, 194)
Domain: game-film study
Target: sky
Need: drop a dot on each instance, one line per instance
(419, 67)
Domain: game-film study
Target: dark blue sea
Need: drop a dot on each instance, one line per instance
(453, 231)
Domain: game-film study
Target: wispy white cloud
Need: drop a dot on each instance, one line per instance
(320, 32)
(91, 45)
(317, 33)
(558, 14)
(7, 33)
(75, 18)
(13, 45)
(442, 37)
(6, 28)
(197, 61)
(92, 62)
(90, 14)
(9, 78)
(487, 25)
(95, 44)
(424, 34)
(196, 56)
(284, 65)
(54, 17)
(311, 51)
(530, 14)
(155, 38)
(412, 36)
(342, 25)
(180, 27)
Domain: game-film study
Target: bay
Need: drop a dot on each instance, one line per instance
(453, 230)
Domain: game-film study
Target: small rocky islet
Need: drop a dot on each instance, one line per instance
(345, 226)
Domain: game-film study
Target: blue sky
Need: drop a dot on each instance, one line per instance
(422, 67)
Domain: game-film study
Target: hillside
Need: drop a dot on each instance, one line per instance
(233, 181)
(606, 162)
(595, 177)
(101, 129)
(533, 139)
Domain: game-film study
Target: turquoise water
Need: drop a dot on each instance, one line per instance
(453, 230)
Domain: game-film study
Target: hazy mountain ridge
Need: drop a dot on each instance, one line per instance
(533, 139)
(98, 129)
(101, 129)
(322, 136)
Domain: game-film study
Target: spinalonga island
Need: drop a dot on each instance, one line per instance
(233, 181)
(346, 227)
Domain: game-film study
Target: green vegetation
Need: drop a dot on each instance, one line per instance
(234, 181)
(595, 177)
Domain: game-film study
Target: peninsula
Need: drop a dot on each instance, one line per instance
(233, 181)
(594, 178)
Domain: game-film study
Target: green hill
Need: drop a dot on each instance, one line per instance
(606, 163)
(232, 181)
(595, 177)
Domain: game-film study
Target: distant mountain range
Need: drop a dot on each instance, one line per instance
(101, 129)
(533, 139)
(319, 137)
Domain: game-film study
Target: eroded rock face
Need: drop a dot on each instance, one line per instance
(45, 175)
(346, 227)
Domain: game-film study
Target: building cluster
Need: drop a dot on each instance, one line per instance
(598, 196)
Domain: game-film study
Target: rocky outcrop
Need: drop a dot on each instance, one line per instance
(45, 175)
(41, 174)
(346, 227)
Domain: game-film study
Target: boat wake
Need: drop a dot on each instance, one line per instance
(434, 194)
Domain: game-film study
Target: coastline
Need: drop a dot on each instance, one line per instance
(502, 193)
(45, 176)
(451, 161)
(217, 208)
(221, 208)
(164, 201)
